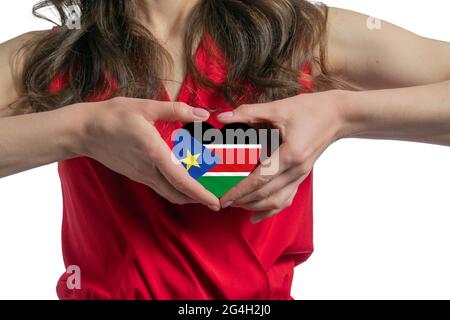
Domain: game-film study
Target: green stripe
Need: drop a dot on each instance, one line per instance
(220, 185)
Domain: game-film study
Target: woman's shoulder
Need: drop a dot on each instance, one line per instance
(11, 49)
(12, 57)
(18, 41)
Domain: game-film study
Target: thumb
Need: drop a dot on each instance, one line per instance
(180, 111)
(247, 113)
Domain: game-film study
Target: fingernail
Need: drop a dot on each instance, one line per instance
(226, 115)
(214, 208)
(200, 112)
(227, 204)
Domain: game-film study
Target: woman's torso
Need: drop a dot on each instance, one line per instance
(130, 243)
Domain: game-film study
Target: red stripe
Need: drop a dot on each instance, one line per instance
(236, 160)
(233, 168)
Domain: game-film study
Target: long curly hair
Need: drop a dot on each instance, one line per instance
(265, 43)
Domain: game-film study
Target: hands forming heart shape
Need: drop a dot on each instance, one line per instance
(308, 124)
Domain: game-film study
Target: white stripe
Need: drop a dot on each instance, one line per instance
(226, 174)
(233, 146)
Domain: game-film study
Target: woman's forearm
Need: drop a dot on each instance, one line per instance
(29, 141)
(420, 114)
(119, 133)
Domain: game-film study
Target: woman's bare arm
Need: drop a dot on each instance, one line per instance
(405, 95)
(386, 57)
(119, 133)
(404, 79)
(28, 141)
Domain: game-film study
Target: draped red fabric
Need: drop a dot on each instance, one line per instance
(130, 243)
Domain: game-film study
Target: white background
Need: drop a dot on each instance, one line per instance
(382, 209)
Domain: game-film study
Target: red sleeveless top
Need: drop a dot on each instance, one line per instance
(129, 243)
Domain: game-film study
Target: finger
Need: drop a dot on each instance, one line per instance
(180, 179)
(277, 201)
(247, 113)
(263, 174)
(176, 111)
(283, 200)
(257, 218)
(290, 175)
(262, 215)
(167, 191)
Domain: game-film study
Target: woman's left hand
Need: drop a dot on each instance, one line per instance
(308, 124)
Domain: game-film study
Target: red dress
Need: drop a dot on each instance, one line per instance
(130, 243)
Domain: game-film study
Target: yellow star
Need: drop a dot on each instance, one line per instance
(191, 160)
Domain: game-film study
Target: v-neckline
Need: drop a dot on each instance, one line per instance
(181, 92)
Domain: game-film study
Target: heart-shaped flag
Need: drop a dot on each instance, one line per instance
(217, 159)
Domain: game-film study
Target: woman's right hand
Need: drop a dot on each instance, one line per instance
(120, 133)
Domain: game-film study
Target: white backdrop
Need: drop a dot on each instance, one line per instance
(382, 209)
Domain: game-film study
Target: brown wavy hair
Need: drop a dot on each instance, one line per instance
(265, 43)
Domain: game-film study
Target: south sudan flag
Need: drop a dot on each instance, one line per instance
(218, 167)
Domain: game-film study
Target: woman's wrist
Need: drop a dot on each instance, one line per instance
(342, 109)
(74, 136)
(352, 117)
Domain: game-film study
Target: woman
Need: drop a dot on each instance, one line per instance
(97, 100)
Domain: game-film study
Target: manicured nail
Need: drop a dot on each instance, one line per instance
(202, 113)
(227, 204)
(214, 208)
(226, 115)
